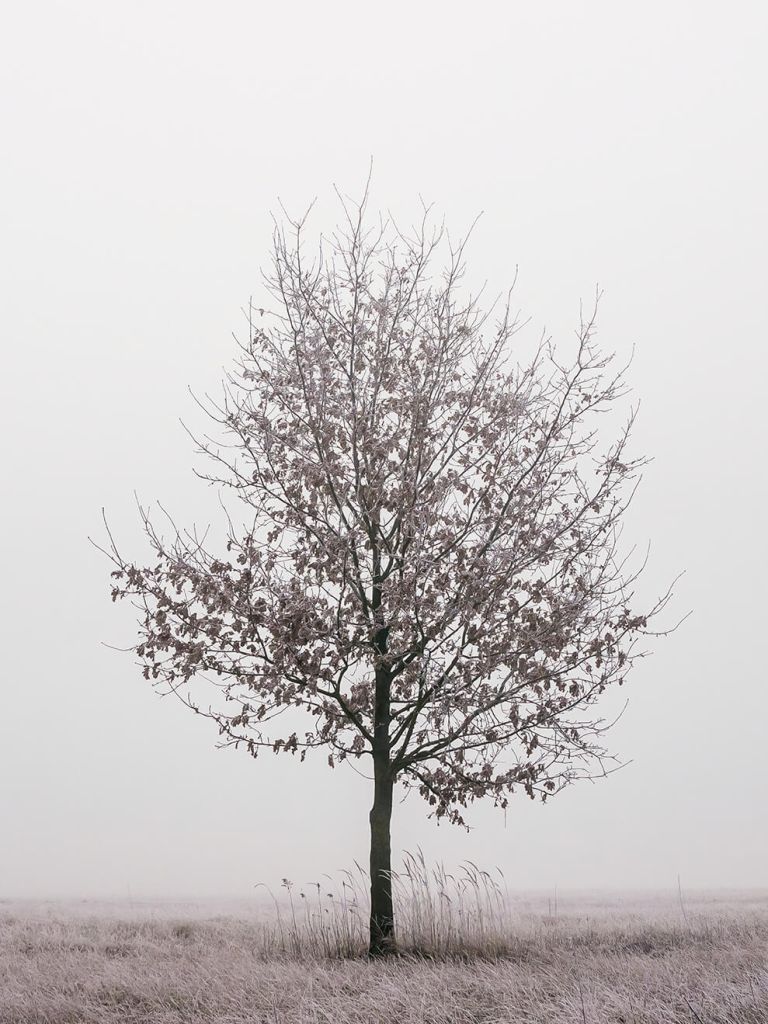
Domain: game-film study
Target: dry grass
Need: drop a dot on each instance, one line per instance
(472, 954)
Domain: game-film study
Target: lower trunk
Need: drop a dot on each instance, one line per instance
(382, 939)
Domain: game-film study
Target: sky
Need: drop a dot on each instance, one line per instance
(146, 147)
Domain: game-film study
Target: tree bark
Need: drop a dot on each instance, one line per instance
(382, 935)
(382, 938)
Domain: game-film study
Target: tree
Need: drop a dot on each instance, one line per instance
(429, 575)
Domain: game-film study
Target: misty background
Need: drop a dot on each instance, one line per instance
(144, 148)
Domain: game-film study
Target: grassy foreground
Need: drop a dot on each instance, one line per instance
(591, 962)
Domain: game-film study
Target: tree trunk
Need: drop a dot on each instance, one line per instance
(382, 940)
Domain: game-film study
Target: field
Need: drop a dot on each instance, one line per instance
(472, 954)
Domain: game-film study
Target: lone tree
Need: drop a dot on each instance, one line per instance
(429, 574)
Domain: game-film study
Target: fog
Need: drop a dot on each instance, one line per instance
(145, 148)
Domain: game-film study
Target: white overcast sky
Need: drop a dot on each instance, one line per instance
(144, 146)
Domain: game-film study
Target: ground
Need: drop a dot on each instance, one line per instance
(539, 959)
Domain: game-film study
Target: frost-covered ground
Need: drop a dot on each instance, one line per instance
(625, 959)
